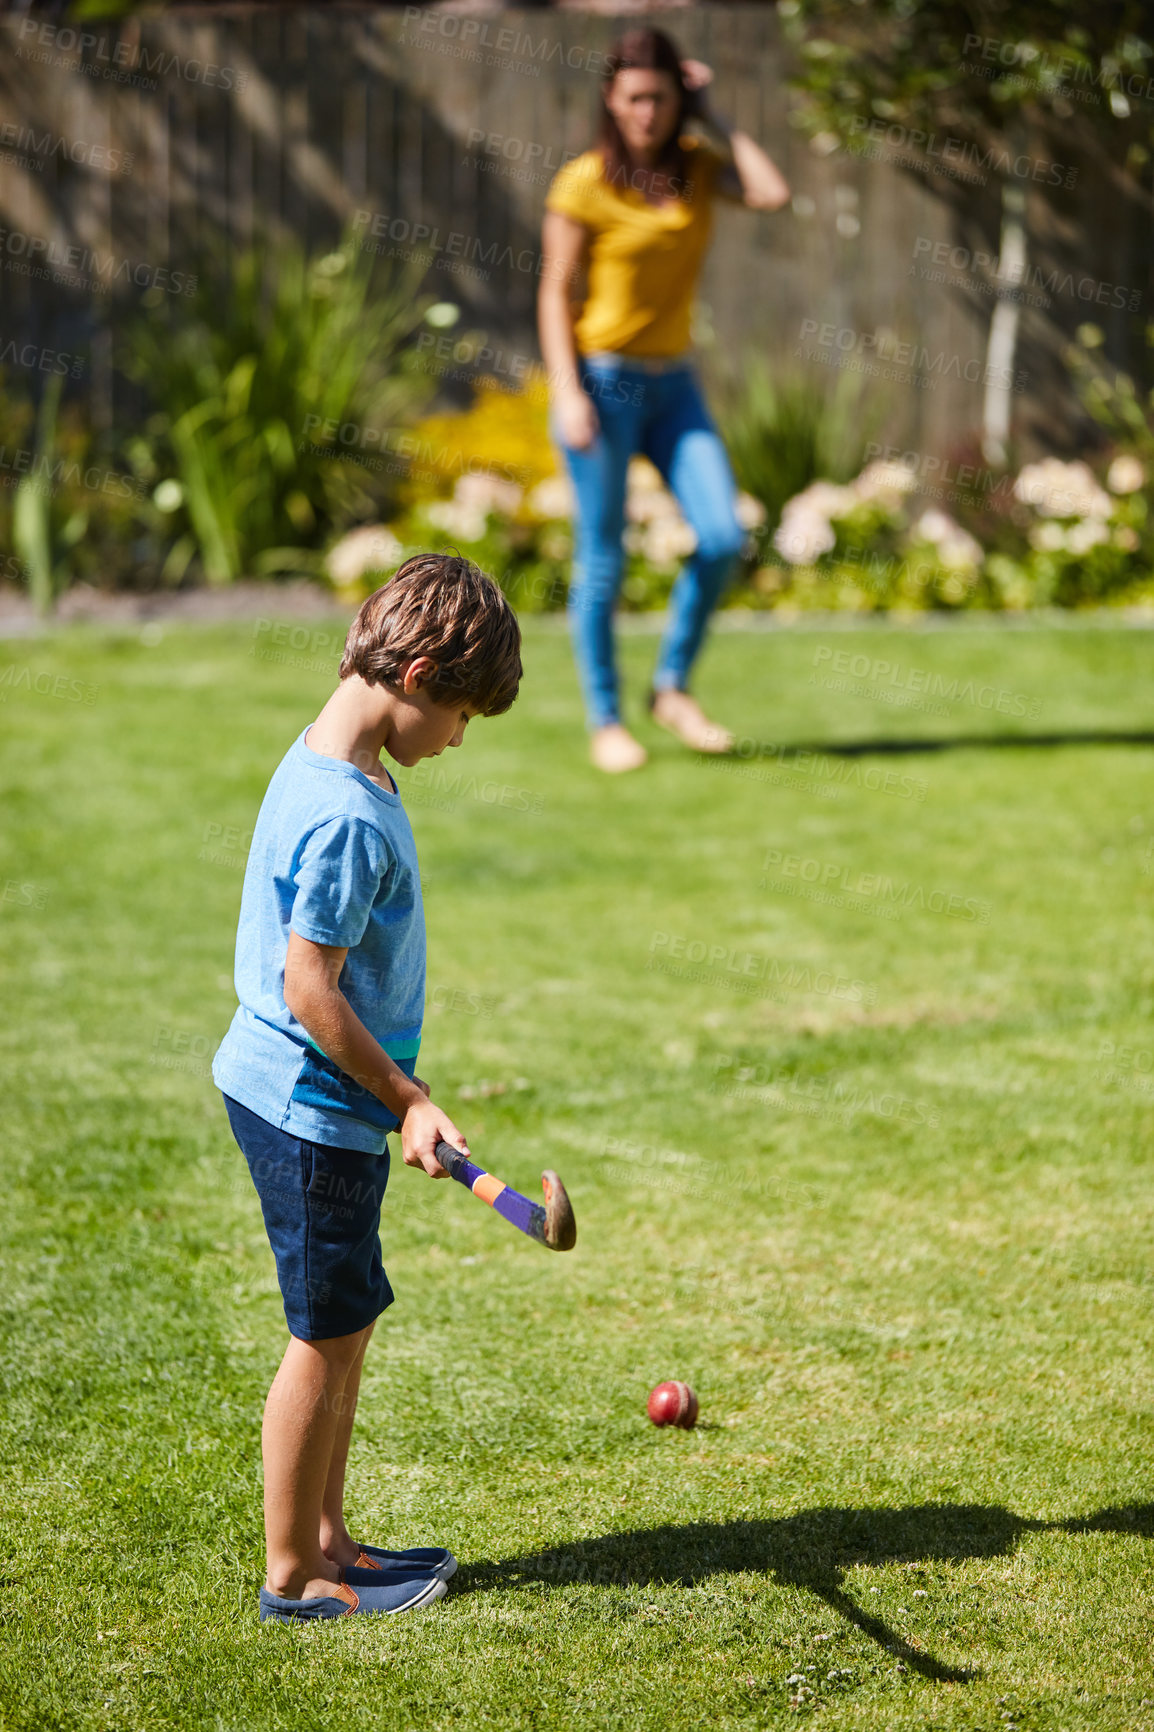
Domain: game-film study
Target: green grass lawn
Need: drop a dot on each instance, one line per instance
(847, 1062)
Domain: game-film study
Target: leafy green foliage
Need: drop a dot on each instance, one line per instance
(76, 513)
(276, 405)
(967, 70)
(1117, 403)
(31, 514)
(784, 430)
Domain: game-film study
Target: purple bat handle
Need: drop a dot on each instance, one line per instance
(529, 1217)
(457, 1165)
(516, 1209)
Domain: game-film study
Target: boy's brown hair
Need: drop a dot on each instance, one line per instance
(442, 606)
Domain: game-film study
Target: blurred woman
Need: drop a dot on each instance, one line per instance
(635, 214)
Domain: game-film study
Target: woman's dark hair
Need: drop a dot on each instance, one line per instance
(651, 51)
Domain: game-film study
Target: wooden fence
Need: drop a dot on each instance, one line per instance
(141, 153)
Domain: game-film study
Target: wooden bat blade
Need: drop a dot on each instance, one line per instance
(560, 1222)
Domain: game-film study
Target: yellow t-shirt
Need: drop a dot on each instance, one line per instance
(644, 259)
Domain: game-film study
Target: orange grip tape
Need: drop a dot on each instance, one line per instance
(488, 1188)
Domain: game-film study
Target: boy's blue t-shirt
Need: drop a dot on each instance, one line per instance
(332, 858)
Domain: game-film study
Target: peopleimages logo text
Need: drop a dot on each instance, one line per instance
(53, 144)
(960, 153)
(120, 58)
(923, 682)
(752, 964)
(847, 886)
(105, 270)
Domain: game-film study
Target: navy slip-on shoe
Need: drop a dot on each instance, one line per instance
(434, 1560)
(389, 1594)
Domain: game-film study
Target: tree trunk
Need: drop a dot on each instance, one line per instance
(1003, 339)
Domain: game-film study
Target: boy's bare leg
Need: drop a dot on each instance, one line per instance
(301, 1417)
(336, 1544)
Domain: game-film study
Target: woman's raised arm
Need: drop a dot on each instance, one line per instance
(752, 178)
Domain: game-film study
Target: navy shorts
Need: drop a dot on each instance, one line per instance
(322, 1214)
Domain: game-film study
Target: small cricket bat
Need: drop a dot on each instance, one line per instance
(551, 1223)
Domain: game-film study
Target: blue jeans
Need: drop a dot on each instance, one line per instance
(664, 417)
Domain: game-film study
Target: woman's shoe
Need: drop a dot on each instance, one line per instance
(614, 749)
(682, 715)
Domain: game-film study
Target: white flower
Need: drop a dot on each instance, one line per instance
(750, 511)
(646, 494)
(1077, 537)
(1048, 538)
(667, 543)
(1091, 532)
(644, 475)
(487, 493)
(463, 522)
(1126, 538)
(828, 497)
(801, 537)
(655, 527)
(552, 499)
(1125, 474)
(372, 547)
(1057, 489)
(885, 482)
(466, 515)
(804, 532)
(644, 507)
(934, 526)
(955, 547)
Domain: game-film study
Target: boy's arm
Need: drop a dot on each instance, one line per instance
(311, 993)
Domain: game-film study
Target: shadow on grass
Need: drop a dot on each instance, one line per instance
(954, 742)
(811, 1550)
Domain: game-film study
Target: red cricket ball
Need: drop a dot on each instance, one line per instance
(673, 1404)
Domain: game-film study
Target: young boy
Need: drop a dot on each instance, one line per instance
(318, 1063)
